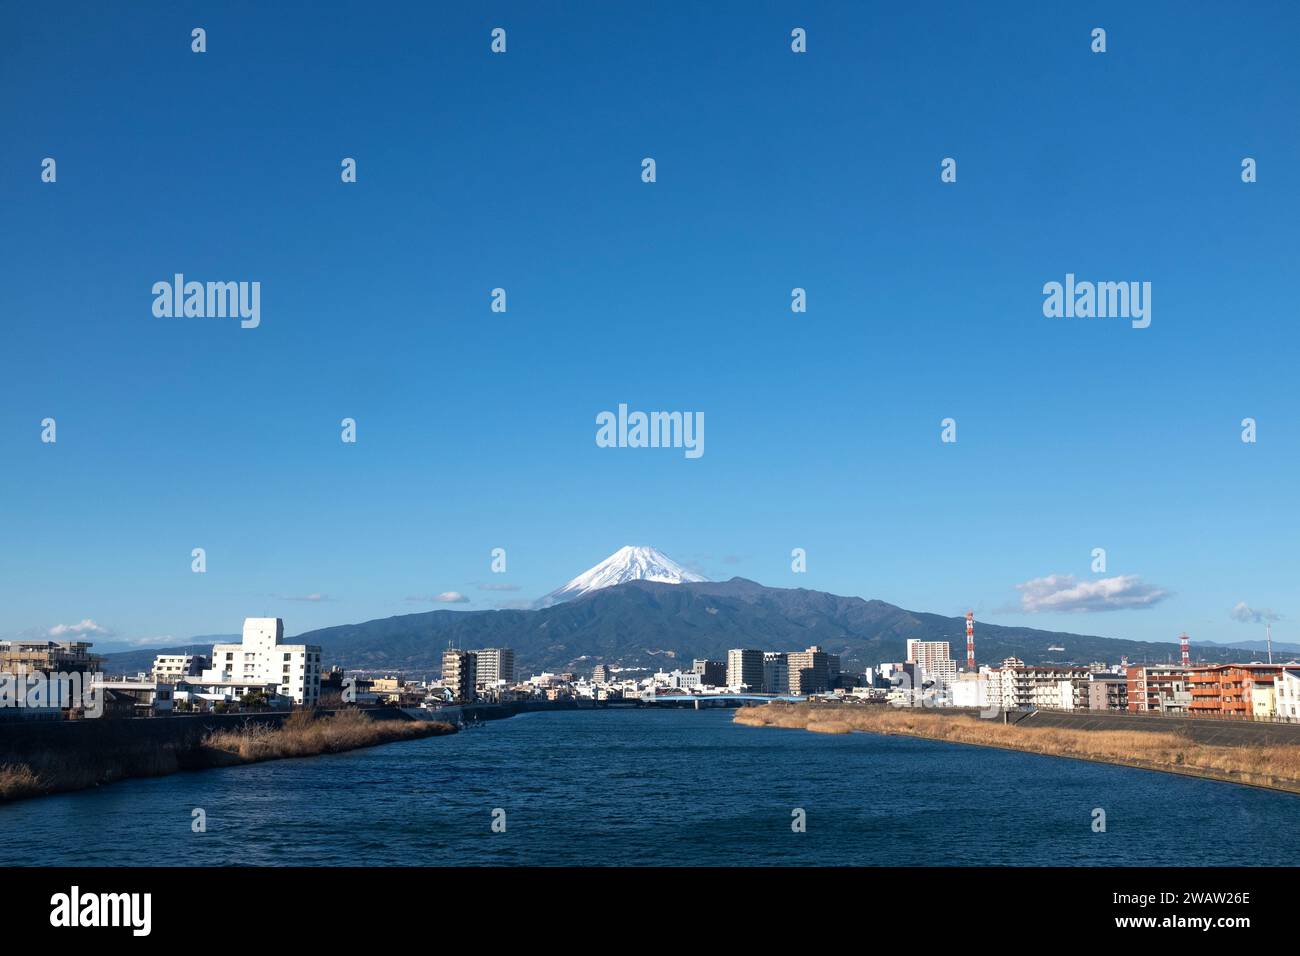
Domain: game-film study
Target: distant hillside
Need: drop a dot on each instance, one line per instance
(648, 623)
(1259, 647)
(141, 659)
(655, 624)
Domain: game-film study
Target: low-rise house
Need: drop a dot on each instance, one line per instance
(202, 695)
(148, 698)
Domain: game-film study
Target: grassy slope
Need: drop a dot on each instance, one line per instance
(1277, 767)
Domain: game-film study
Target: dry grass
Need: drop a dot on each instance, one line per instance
(1270, 766)
(303, 734)
(33, 772)
(17, 781)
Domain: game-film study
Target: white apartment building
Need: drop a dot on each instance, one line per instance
(680, 680)
(264, 658)
(1286, 694)
(1017, 687)
(970, 690)
(935, 659)
(169, 668)
(1263, 699)
(494, 665)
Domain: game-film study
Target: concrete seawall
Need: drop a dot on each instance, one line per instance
(74, 754)
(22, 738)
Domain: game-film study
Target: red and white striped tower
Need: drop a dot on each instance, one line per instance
(970, 641)
(1184, 642)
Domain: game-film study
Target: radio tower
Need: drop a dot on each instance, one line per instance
(970, 641)
(1183, 643)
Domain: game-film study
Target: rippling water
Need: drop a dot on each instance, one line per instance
(658, 787)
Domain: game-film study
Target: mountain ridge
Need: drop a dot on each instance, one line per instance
(655, 624)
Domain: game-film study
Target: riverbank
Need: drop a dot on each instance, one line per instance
(1275, 767)
(200, 746)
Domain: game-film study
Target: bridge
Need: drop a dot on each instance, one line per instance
(717, 700)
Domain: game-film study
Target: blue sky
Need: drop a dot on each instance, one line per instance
(775, 170)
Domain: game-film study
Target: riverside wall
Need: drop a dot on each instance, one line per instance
(74, 754)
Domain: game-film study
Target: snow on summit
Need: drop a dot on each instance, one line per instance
(626, 564)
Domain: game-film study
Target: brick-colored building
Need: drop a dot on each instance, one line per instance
(1225, 690)
(1157, 687)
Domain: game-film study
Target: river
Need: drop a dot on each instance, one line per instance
(658, 787)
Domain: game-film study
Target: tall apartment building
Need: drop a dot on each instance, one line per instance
(776, 673)
(169, 668)
(809, 671)
(935, 659)
(459, 673)
(263, 658)
(493, 664)
(713, 673)
(745, 669)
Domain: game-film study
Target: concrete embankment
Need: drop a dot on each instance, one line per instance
(40, 757)
(1265, 757)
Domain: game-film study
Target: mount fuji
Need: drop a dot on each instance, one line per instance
(629, 563)
(641, 608)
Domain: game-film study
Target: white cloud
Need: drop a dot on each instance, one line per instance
(1062, 593)
(87, 626)
(314, 598)
(1249, 615)
(446, 597)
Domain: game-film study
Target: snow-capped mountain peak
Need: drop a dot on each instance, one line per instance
(626, 564)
